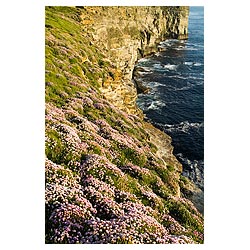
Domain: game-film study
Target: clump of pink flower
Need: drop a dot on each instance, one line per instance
(102, 178)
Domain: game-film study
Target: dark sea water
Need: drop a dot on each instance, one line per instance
(175, 102)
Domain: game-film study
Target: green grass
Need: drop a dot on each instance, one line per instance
(68, 50)
(183, 215)
(56, 154)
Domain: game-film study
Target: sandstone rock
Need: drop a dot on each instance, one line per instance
(127, 34)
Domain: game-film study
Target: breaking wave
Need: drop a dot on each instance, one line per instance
(170, 66)
(183, 126)
(152, 105)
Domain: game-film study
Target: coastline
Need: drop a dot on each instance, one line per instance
(148, 45)
(192, 190)
(106, 167)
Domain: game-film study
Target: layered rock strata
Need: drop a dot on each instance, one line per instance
(127, 34)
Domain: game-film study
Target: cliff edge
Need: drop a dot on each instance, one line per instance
(110, 176)
(127, 34)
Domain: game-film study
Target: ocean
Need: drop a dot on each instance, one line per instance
(175, 102)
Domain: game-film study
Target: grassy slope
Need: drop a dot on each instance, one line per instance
(104, 182)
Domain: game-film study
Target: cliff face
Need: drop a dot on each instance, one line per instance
(110, 176)
(126, 34)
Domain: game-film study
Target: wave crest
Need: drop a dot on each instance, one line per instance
(184, 126)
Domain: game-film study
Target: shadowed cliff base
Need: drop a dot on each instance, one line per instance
(109, 176)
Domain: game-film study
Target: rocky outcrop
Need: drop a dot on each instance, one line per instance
(126, 34)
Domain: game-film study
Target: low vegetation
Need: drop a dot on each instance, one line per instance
(104, 181)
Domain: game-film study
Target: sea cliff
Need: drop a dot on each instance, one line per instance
(111, 177)
(127, 34)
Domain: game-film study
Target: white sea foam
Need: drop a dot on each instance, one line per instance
(186, 48)
(170, 66)
(191, 48)
(156, 105)
(145, 69)
(188, 63)
(154, 84)
(165, 43)
(172, 41)
(183, 126)
(144, 59)
(192, 63)
(198, 64)
(157, 66)
(195, 78)
(145, 72)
